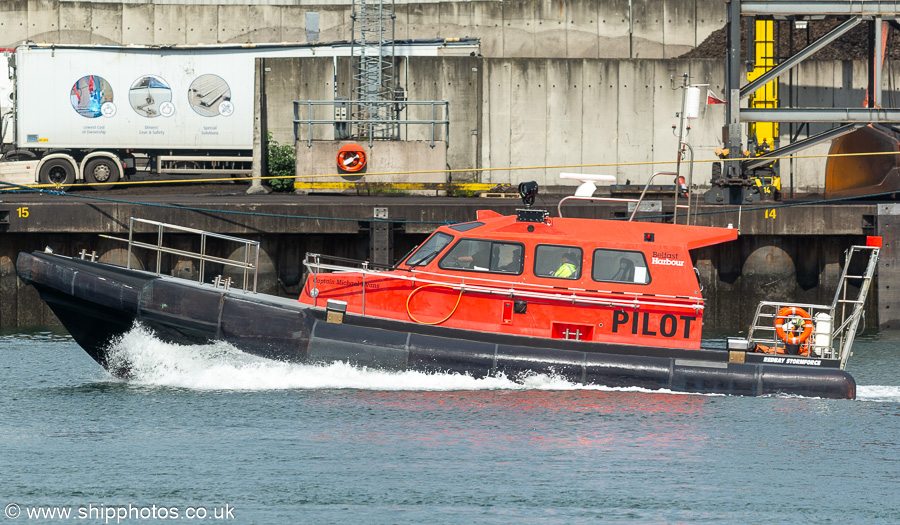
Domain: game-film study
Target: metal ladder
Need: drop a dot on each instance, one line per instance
(846, 331)
(844, 313)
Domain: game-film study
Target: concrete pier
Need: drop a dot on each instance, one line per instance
(783, 253)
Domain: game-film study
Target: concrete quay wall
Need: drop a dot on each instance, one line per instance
(508, 28)
(523, 112)
(795, 254)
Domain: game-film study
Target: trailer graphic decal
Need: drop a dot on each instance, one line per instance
(151, 97)
(92, 97)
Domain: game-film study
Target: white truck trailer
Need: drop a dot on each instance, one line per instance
(85, 113)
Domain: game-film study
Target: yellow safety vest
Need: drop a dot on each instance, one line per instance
(566, 270)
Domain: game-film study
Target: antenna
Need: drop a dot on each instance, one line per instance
(372, 51)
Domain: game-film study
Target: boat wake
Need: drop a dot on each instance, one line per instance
(220, 366)
(890, 394)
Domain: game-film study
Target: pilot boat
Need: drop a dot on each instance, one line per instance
(601, 302)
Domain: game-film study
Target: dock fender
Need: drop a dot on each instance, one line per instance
(831, 383)
(433, 354)
(615, 370)
(726, 378)
(274, 331)
(358, 346)
(516, 362)
(181, 313)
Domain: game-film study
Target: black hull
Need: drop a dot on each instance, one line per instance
(98, 302)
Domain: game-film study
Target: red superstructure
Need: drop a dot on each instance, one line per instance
(620, 282)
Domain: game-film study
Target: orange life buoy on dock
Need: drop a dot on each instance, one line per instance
(351, 158)
(791, 320)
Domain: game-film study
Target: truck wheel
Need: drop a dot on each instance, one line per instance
(59, 172)
(101, 170)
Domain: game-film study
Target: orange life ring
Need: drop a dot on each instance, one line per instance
(351, 158)
(794, 314)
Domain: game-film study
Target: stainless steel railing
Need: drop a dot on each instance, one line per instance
(161, 228)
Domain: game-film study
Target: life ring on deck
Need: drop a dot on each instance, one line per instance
(789, 321)
(351, 158)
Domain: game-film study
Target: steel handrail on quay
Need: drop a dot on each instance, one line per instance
(309, 122)
(200, 256)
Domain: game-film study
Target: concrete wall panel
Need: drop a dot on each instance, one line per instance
(401, 22)
(456, 20)
(550, 28)
(512, 28)
(613, 29)
(137, 24)
(383, 157)
(647, 27)
(518, 28)
(13, 22)
(426, 82)
(487, 24)
(334, 25)
(106, 24)
(600, 119)
(424, 21)
(266, 25)
(528, 118)
(565, 90)
(666, 104)
(201, 24)
(582, 33)
(706, 133)
(75, 22)
(711, 17)
(295, 79)
(635, 111)
(43, 20)
(235, 21)
(498, 120)
(460, 89)
(677, 15)
(169, 24)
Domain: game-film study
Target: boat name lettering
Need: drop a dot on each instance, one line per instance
(792, 361)
(666, 259)
(346, 282)
(667, 325)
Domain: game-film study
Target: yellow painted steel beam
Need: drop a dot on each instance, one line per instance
(767, 96)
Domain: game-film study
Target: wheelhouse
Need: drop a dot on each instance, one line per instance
(557, 278)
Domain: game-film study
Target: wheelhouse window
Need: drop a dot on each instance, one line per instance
(433, 246)
(478, 255)
(620, 266)
(465, 226)
(558, 262)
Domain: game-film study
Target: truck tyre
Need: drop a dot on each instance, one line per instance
(99, 170)
(59, 172)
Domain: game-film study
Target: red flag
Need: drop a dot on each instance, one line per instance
(711, 98)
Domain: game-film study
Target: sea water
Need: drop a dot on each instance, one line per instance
(207, 433)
